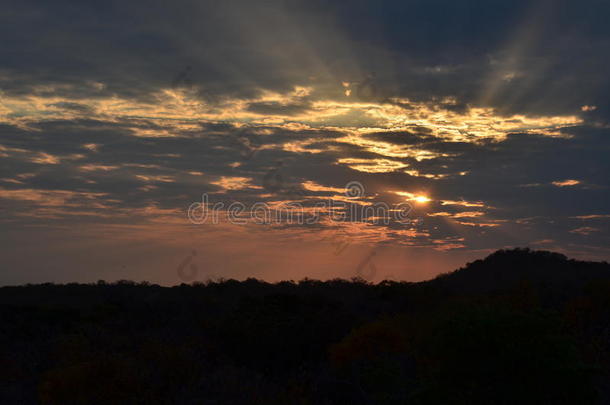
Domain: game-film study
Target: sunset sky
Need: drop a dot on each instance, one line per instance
(489, 118)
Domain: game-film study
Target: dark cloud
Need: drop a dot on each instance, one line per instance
(535, 55)
(275, 108)
(412, 137)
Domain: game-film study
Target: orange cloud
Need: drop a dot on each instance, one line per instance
(566, 183)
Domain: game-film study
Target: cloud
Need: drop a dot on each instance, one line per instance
(584, 230)
(566, 183)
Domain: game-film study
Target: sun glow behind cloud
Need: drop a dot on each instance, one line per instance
(176, 112)
(175, 108)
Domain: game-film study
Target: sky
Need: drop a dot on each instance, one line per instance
(195, 140)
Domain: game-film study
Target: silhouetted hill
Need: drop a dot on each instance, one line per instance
(518, 327)
(509, 268)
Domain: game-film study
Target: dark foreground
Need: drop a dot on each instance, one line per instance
(519, 327)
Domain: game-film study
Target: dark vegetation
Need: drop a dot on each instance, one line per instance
(519, 327)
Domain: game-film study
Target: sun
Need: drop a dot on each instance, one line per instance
(418, 198)
(421, 199)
